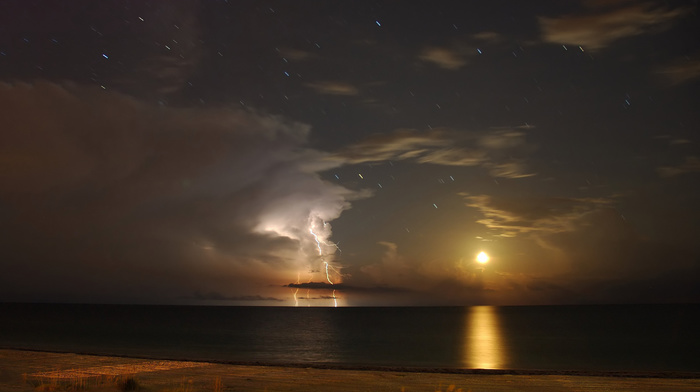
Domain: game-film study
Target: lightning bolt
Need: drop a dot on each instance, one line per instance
(320, 253)
(328, 277)
(327, 267)
(296, 301)
(318, 243)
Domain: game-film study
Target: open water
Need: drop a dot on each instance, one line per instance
(582, 338)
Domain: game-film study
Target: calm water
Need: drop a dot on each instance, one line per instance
(635, 338)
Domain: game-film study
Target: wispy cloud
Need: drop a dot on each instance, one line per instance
(333, 88)
(456, 55)
(680, 71)
(493, 149)
(295, 54)
(443, 57)
(690, 165)
(510, 217)
(603, 23)
(510, 170)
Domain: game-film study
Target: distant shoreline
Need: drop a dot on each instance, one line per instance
(392, 369)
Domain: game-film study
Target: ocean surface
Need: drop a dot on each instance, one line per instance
(581, 338)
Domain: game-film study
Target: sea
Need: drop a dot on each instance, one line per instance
(614, 338)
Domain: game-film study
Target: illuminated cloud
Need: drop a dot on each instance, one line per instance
(135, 201)
(606, 22)
(491, 37)
(680, 71)
(295, 54)
(394, 270)
(673, 140)
(417, 280)
(578, 250)
(509, 170)
(451, 157)
(508, 217)
(333, 88)
(443, 58)
(487, 149)
(691, 165)
(499, 139)
(400, 144)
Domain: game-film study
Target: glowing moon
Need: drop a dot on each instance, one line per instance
(482, 258)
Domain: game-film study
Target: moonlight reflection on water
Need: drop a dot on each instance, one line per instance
(484, 348)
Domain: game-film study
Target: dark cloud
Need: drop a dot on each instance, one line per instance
(343, 287)
(216, 296)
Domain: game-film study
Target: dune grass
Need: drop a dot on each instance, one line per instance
(130, 383)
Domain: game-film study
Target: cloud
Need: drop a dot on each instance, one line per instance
(333, 88)
(604, 23)
(216, 296)
(419, 281)
(443, 58)
(108, 196)
(401, 144)
(510, 170)
(673, 140)
(394, 270)
(488, 37)
(344, 287)
(457, 55)
(691, 165)
(296, 54)
(493, 149)
(581, 244)
(509, 217)
(680, 71)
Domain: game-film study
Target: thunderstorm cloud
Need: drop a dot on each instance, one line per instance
(107, 195)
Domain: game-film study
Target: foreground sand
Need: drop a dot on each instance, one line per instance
(32, 371)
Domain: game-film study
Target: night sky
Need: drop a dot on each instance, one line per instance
(352, 153)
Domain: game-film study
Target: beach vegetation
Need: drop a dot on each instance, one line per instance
(218, 385)
(57, 384)
(450, 388)
(129, 384)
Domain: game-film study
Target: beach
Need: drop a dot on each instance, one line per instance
(22, 370)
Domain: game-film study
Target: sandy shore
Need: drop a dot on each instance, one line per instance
(32, 371)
